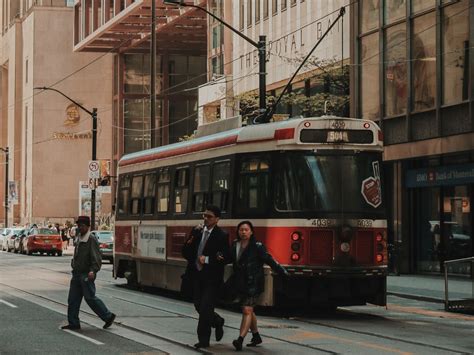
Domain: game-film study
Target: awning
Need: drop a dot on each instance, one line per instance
(128, 29)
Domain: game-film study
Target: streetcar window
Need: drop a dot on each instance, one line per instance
(137, 184)
(220, 184)
(123, 194)
(181, 190)
(253, 193)
(163, 191)
(201, 188)
(149, 194)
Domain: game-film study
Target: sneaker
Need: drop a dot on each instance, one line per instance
(201, 345)
(256, 340)
(237, 343)
(71, 327)
(109, 322)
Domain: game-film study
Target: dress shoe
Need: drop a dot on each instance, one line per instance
(220, 330)
(201, 345)
(109, 322)
(71, 327)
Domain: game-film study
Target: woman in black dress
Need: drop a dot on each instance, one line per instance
(248, 257)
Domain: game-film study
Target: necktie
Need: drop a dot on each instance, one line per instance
(202, 244)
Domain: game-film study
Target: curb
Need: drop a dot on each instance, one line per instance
(417, 297)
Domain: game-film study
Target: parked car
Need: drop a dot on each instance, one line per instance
(10, 238)
(3, 238)
(18, 242)
(43, 240)
(106, 244)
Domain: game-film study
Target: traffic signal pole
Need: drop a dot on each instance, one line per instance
(93, 115)
(6, 151)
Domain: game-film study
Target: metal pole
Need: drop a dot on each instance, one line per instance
(262, 58)
(153, 75)
(6, 186)
(94, 157)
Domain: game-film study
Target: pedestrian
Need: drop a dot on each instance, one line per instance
(64, 238)
(207, 252)
(248, 257)
(85, 263)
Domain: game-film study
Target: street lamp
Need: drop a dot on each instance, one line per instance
(93, 114)
(260, 45)
(6, 151)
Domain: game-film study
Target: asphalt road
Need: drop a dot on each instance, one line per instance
(33, 304)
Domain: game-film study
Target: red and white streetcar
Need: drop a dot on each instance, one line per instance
(311, 187)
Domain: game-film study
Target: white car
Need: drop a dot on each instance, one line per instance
(3, 238)
(8, 243)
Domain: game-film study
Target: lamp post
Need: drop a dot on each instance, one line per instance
(6, 151)
(93, 114)
(260, 45)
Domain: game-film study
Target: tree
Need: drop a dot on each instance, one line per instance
(331, 91)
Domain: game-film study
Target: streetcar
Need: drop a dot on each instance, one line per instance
(311, 186)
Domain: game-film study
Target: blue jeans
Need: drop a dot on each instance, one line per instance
(81, 287)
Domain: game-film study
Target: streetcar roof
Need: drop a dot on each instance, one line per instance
(282, 133)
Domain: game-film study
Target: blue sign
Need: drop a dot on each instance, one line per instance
(440, 176)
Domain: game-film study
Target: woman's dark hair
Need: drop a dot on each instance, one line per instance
(242, 223)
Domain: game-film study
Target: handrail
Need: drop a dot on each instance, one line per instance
(446, 292)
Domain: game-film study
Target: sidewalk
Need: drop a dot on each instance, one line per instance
(430, 288)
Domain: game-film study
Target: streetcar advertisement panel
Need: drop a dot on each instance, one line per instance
(152, 242)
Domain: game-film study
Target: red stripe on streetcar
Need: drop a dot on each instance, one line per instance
(182, 150)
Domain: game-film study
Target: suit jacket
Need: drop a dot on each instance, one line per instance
(217, 243)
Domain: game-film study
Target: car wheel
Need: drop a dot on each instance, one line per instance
(59, 253)
(29, 252)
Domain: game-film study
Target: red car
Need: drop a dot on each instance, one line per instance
(43, 240)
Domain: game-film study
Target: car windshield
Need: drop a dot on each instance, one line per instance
(104, 236)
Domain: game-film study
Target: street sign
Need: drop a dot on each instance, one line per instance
(94, 171)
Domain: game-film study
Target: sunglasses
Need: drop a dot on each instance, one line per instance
(207, 215)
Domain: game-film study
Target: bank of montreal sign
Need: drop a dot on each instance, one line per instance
(440, 176)
(152, 241)
(286, 50)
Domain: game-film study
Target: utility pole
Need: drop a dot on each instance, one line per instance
(6, 151)
(93, 115)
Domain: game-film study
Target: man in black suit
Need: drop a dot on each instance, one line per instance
(207, 251)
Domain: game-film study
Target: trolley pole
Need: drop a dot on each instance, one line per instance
(260, 45)
(153, 76)
(93, 115)
(6, 151)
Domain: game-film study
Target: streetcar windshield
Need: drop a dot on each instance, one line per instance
(332, 183)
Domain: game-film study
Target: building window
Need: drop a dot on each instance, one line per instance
(274, 7)
(424, 62)
(369, 15)
(455, 52)
(257, 10)
(422, 5)
(26, 71)
(216, 63)
(249, 13)
(395, 70)
(369, 77)
(265, 9)
(136, 116)
(284, 4)
(293, 2)
(394, 10)
(241, 14)
(216, 36)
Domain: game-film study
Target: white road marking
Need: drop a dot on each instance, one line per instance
(8, 304)
(83, 337)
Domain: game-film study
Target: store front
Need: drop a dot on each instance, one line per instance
(441, 216)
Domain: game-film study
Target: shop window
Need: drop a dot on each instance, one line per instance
(455, 52)
(163, 191)
(201, 188)
(370, 76)
(394, 10)
(369, 11)
(395, 71)
(220, 184)
(424, 62)
(181, 190)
